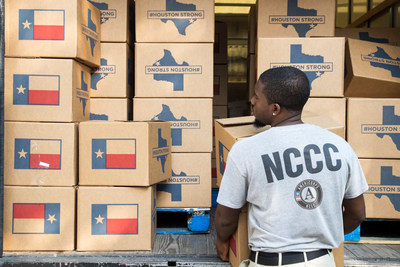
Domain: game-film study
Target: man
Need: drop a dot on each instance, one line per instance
(303, 184)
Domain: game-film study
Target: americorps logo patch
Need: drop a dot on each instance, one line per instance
(308, 194)
(182, 15)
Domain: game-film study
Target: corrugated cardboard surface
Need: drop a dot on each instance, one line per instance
(335, 108)
(322, 60)
(173, 70)
(174, 21)
(61, 87)
(191, 120)
(110, 109)
(54, 230)
(78, 27)
(220, 85)
(381, 199)
(143, 147)
(372, 69)
(296, 18)
(390, 36)
(114, 78)
(190, 184)
(373, 127)
(117, 20)
(99, 207)
(43, 154)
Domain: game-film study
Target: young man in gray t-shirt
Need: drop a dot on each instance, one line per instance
(303, 184)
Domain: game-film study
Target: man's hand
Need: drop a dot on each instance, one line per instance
(223, 249)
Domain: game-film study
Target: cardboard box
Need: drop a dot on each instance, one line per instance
(173, 70)
(174, 21)
(372, 69)
(39, 218)
(389, 36)
(124, 153)
(229, 131)
(114, 78)
(123, 218)
(296, 18)
(221, 43)
(42, 154)
(335, 108)
(117, 20)
(239, 249)
(219, 112)
(373, 127)
(322, 60)
(381, 199)
(239, 241)
(190, 184)
(111, 109)
(191, 120)
(220, 85)
(46, 90)
(251, 74)
(53, 29)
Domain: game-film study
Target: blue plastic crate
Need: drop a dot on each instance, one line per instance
(353, 236)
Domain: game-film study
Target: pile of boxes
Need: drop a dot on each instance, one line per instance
(49, 48)
(174, 82)
(97, 193)
(111, 84)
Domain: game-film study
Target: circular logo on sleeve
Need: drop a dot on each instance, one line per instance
(308, 194)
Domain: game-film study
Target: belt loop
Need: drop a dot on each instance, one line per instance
(256, 258)
(279, 259)
(305, 256)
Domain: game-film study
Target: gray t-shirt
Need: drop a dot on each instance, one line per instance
(294, 179)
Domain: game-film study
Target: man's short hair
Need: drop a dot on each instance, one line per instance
(287, 86)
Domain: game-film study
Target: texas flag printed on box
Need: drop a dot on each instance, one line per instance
(36, 89)
(114, 153)
(116, 218)
(41, 24)
(53, 29)
(39, 218)
(108, 219)
(39, 153)
(124, 153)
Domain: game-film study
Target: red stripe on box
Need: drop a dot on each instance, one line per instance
(120, 161)
(43, 97)
(53, 160)
(48, 32)
(121, 226)
(28, 211)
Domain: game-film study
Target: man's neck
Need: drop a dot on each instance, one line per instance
(287, 119)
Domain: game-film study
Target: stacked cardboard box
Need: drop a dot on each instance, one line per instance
(298, 34)
(50, 47)
(174, 82)
(111, 84)
(119, 164)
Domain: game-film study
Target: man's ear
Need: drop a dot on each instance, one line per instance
(277, 108)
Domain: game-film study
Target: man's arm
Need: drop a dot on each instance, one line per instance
(226, 222)
(353, 213)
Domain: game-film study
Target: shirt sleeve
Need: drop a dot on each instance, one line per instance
(233, 188)
(356, 183)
